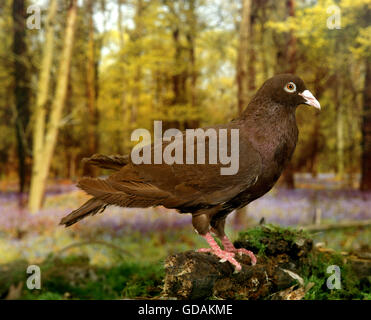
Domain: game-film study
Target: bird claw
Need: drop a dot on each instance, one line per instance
(224, 257)
(228, 256)
(229, 247)
(243, 251)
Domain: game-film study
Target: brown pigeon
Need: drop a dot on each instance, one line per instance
(267, 138)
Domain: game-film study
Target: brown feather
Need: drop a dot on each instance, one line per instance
(114, 162)
(91, 207)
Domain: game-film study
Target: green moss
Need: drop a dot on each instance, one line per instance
(258, 238)
(312, 267)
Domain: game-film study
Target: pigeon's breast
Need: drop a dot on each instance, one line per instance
(276, 151)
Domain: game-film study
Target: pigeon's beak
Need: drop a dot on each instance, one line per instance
(310, 99)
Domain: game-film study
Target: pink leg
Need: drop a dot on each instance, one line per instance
(223, 255)
(229, 247)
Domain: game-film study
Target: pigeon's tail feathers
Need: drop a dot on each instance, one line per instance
(91, 207)
(115, 162)
(129, 194)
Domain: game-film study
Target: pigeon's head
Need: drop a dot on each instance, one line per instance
(288, 90)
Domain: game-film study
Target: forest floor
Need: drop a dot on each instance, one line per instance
(121, 253)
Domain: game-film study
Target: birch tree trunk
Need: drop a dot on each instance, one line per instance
(43, 160)
(41, 99)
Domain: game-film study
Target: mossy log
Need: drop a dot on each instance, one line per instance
(283, 255)
(193, 275)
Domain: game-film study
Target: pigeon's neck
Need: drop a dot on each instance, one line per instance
(271, 129)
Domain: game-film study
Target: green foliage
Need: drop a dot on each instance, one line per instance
(74, 278)
(315, 272)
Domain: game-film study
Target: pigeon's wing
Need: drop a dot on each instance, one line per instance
(194, 184)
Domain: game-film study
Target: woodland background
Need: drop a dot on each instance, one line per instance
(96, 70)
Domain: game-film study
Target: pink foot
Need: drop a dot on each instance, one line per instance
(229, 247)
(226, 253)
(223, 255)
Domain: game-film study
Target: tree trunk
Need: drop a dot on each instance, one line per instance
(21, 88)
(316, 132)
(289, 177)
(178, 93)
(242, 58)
(291, 45)
(40, 108)
(366, 131)
(244, 81)
(339, 128)
(56, 112)
(138, 35)
(287, 61)
(191, 35)
(91, 93)
(122, 135)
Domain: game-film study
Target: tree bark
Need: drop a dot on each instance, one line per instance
(242, 76)
(287, 61)
(21, 88)
(193, 275)
(366, 131)
(339, 127)
(191, 35)
(137, 38)
(122, 135)
(91, 94)
(56, 112)
(243, 79)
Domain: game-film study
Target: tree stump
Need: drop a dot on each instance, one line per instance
(194, 275)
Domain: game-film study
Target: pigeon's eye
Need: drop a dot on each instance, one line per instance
(290, 87)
